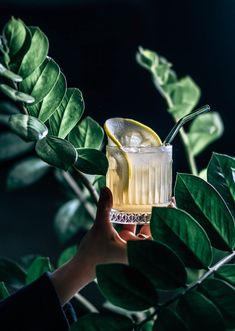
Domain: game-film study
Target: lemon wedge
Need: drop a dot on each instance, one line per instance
(123, 133)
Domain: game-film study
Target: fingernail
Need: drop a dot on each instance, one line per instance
(142, 236)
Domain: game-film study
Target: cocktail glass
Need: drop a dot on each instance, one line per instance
(139, 178)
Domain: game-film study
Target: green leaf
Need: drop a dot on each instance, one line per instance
(15, 95)
(28, 127)
(44, 109)
(3, 291)
(184, 95)
(11, 273)
(99, 182)
(178, 230)
(39, 266)
(12, 146)
(4, 72)
(147, 58)
(71, 217)
(91, 161)
(16, 60)
(26, 172)
(204, 130)
(223, 296)
(203, 174)
(126, 287)
(169, 320)
(88, 133)
(221, 174)
(15, 33)
(67, 255)
(57, 152)
(104, 322)
(227, 273)
(36, 53)
(41, 80)
(203, 202)
(199, 312)
(68, 114)
(158, 262)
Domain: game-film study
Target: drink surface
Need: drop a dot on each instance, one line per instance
(149, 176)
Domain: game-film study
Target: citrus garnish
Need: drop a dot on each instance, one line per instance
(123, 133)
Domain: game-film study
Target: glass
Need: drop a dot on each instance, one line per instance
(139, 178)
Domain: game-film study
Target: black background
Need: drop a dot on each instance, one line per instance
(95, 42)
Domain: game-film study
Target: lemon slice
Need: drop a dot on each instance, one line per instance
(125, 132)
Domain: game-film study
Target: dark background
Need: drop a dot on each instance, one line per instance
(95, 42)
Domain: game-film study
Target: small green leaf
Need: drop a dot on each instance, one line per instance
(158, 262)
(4, 72)
(178, 230)
(221, 174)
(36, 53)
(16, 59)
(68, 114)
(91, 161)
(67, 255)
(199, 312)
(169, 320)
(41, 80)
(126, 287)
(88, 133)
(227, 273)
(39, 266)
(26, 172)
(57, 152)
(3, 291)
(103, 321)
(15, 33)
(12, 146)
(147, 58)
(203, 202)
(204, 130)
(28, 127)
(11, 273)
(15, 95)
(71, 217)
(44, 109)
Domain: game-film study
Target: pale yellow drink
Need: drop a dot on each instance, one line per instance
(139, 178)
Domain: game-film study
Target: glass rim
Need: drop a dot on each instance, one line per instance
(132, 149)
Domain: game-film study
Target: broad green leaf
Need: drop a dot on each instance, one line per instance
(12, 146)
(158, 262)
(11, 273)
(71, 217)
(67, 255)
(4, 72)
(103, 321)
(204, 130)
(40, 82)
(3, 291)
(91, 161)
(15, 33)
(88, 133)
(15, 95)
(57, 152)
(184, 95)
(126, 287)
(221, 174)
(26, 172)
(28, 127)
(44, 109)
(183, 234)
(227, 273)
(36, 53)
(199, 312)
(68, 114)
(223, 296)
(16, 60)
(203, 202)
(39, 266)
(169, 320)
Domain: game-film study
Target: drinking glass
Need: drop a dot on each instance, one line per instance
(139, 178)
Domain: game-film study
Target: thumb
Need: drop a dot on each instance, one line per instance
(105, 204)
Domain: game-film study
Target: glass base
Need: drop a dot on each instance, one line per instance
(123, 217)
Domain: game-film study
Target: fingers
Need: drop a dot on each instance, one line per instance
(129, 227)
(172, 204)
(145, 231)
(105, 204)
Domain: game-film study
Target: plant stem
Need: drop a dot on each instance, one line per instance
(190, 287)
(88, 185)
